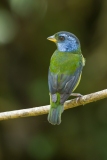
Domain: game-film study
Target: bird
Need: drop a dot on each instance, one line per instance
(64, 73)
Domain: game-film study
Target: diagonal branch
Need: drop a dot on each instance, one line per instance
(36, 111)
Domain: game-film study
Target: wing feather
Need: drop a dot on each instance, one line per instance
(63, 83)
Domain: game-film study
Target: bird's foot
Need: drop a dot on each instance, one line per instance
(78, 95)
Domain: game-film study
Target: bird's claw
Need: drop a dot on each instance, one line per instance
(78, 98)
(78, 95)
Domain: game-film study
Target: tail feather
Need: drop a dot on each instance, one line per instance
(54, 116)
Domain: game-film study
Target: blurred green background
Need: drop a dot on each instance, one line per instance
(24, 60)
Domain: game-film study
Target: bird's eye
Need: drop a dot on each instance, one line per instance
(61, 38)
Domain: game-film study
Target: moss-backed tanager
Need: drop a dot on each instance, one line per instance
(64, 72)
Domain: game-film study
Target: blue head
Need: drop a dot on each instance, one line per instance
(65, 41)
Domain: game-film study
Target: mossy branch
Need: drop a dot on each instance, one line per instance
(36, 111)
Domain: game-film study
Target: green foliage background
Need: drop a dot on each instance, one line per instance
(24, 60)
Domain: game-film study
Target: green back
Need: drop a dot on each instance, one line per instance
(65, 62)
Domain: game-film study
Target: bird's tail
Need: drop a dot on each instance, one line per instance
(54, 116)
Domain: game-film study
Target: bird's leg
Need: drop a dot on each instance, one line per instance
(78, 95)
